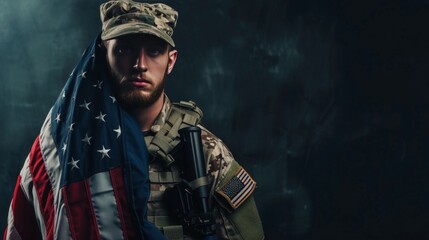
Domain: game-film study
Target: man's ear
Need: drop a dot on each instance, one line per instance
(172, 57)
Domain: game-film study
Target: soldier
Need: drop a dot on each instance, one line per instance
(87, 175)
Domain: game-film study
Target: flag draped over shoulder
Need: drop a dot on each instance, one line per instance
(86, 176)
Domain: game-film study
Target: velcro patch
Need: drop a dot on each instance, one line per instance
(238, 189)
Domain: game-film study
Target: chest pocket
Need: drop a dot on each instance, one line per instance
(158, 211)
(161, 181)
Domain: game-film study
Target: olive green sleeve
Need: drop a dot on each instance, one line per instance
(242, 222)
(235, 220)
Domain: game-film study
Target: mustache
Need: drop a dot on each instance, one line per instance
(135, 77)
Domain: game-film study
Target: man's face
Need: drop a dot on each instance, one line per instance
(138, 65)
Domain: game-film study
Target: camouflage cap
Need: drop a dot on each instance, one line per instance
(122, 17)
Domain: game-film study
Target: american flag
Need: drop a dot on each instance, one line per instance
(238, 189)
(86, 176)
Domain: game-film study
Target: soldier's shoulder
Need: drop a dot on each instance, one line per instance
(212, 143)
(219, 157)
(210, 140)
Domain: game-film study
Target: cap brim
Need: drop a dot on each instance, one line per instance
(133, 28)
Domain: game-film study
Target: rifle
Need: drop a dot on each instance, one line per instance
(191, 199)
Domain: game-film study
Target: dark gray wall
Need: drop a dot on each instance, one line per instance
(324, 102)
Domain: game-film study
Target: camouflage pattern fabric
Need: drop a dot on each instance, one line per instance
(219, 161)
(124, 17)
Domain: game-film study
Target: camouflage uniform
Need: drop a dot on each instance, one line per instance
(219, 160)
(235, 210)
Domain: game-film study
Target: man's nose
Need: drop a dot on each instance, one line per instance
(141, 62)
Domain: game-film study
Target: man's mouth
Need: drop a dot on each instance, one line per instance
(140, 82)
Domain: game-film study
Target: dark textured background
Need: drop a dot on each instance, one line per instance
(324, 102)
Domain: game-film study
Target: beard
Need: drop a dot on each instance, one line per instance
(131, 97)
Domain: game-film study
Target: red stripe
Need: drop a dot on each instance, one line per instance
(24, 218)
(121, 203)
(80, 211)
(5, 234)
(43, 188)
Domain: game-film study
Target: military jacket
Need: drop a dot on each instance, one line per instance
(234, 219)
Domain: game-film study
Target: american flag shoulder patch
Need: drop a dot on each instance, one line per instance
(238, 189)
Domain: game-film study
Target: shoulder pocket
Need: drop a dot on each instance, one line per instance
(234, 195)
(234, 188)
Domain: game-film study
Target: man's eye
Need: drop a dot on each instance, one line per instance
(123, 50)
(153, 52)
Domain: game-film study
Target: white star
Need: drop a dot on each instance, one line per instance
(104, 152)
(83, 75)
(71, 127)
(64, 148)
(74, 164)
(58, 119)
(72, 72)
(98, 85)
(101, 117)
(63, 94)
(87, 139)
(118, 131)
(93, 55)
(113, 99)
(99, 45)
(85, 105)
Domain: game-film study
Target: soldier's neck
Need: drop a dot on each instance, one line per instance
(146, 116)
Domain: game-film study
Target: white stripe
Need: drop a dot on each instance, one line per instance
(26, 180)
(62, 229)
(12, 234)
(53, 169)
(245, 179)
(243, 194)
(38, 213)
(104, 203)
(248, 180)
(240, 173)
(241, 191)
(50, 156)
